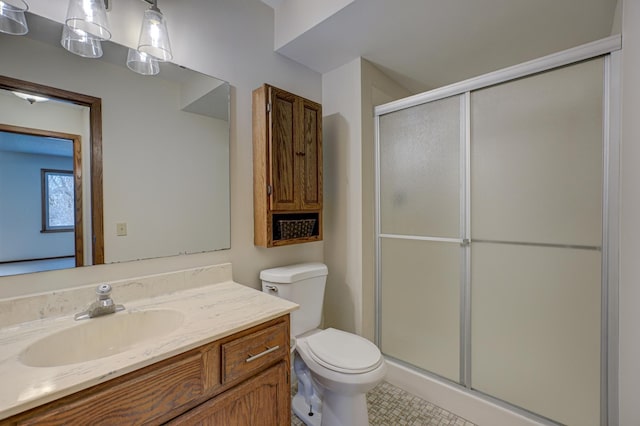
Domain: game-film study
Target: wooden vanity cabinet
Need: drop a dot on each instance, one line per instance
(287, 166)
(250, 403)
(242, 379)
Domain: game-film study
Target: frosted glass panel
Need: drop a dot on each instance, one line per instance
(536, 158)
(421, 304)
(536, 329)
(419, 170)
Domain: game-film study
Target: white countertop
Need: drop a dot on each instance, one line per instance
(211, 312)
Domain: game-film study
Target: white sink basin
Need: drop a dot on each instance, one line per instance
(100, 337)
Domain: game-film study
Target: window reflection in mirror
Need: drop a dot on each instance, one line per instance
(57, 200)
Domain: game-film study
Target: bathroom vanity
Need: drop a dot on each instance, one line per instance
(225, 362)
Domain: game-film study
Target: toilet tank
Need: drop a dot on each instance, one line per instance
(302, 284)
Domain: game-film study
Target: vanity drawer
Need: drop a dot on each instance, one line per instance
(245, 355)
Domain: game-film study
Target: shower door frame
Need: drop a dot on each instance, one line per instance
(609, 49)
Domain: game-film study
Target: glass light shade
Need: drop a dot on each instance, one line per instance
(80, 43)
(154, 37)
(17, 5)
(142, 63)
(12, 19)
(89, 16)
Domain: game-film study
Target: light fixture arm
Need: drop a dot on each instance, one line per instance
(153, 3)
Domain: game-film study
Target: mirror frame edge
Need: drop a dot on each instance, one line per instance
(95, 129)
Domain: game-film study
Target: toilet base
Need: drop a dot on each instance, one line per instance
(338, 410)
(344, 410)
(301, 409)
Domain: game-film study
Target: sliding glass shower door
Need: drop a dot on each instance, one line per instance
(420, 216)
(490, 265)
(536, 220)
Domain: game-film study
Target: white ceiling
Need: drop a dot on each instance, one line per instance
(424, 44)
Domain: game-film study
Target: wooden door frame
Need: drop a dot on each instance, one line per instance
(95, 155)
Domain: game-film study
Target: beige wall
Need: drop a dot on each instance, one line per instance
(341, 143)
(349, 94)
(231, 40)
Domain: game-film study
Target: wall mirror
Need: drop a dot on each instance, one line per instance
(159, 147)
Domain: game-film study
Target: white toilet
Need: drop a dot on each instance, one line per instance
(335, 369)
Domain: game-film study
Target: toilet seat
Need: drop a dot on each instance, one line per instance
(343, 352)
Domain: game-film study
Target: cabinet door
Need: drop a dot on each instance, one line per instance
(310, 156)
(263, 400)
(282, 149)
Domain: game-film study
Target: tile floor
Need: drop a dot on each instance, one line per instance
(391, 406)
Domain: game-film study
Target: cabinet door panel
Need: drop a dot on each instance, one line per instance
(258, 401)
(282, 150)
(311, 154)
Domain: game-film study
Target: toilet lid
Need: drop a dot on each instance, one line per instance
(343, 352)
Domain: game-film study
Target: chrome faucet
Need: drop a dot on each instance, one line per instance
(103, 306)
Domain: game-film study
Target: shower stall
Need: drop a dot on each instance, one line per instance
(496, 221)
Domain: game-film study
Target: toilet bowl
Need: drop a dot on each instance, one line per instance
(335, 369)
(344, 367)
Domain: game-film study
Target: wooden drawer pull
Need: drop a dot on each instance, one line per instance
(261, 354)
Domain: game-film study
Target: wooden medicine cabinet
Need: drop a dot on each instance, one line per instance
(287, 168)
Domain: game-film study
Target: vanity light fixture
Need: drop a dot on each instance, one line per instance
(154, 37)
(142, 63)
(12, 19)
(29, 97)
(89, 16)
(80, 43)
(86, 26)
